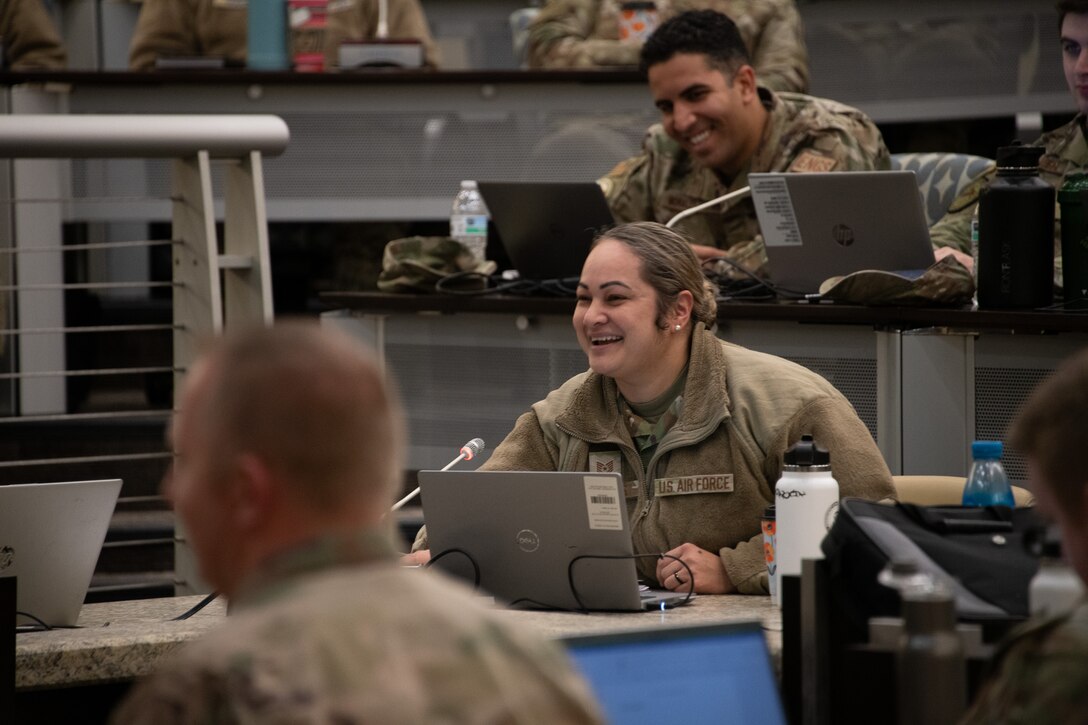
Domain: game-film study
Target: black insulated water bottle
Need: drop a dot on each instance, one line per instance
(1016, 234)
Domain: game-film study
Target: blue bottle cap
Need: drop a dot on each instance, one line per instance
(986, 449)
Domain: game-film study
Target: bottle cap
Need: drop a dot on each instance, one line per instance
(768, 513)
(468, 184)
(986, 449)
(1019, 157)
(806, 454)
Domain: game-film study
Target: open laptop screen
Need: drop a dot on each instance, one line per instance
(703, 674)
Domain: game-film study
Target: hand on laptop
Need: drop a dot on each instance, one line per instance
(416, 558)
(704, 252)
(706, 567)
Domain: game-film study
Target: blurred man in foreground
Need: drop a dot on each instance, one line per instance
(288, 446)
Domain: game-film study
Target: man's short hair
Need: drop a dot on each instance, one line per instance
(1050, 430)
(1078, 7)
(313, 405)
(705, 32)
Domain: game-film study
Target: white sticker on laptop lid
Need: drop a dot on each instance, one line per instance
(603, 503)
(775, 211)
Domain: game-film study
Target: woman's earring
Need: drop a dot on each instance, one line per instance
(677, 328)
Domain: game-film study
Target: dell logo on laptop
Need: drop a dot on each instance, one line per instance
(527, 540)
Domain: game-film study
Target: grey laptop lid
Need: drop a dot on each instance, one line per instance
(713, 673)
(820, 225)
(546, 228)
(523, 530)
(50, 538)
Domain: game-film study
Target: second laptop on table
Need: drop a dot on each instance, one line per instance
(821, 225)
(546, 228)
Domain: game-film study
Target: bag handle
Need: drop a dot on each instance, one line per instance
(961, 519)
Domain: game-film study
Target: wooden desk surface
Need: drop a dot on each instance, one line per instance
(119, 641)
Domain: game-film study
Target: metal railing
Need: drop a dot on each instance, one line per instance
(213, 283)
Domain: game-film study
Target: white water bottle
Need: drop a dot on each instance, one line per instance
(806, 501)
(469, 220)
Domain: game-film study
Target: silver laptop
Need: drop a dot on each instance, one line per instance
(537, 539)
(712, 673)
(821, 225)
(546, 228)
(50, 538)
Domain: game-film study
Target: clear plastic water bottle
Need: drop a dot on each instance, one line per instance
(469, 220)
(987, 483)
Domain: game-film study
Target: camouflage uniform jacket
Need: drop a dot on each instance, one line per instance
(713, 473)
(1066, 153)
(336, 632)
(803, 133)
(1039, 674)
(218, 28)
(30, 40)
(585, 34)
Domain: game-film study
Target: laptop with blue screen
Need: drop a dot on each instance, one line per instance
(715, 673)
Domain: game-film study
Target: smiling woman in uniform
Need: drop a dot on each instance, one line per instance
(697, 426)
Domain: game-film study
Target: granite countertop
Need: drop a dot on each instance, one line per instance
(115, 641)
(119, 641)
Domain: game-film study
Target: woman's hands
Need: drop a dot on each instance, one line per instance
(705, 567)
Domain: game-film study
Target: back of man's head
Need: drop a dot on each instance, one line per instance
(312, 406)
(705, 32)
(1050, 430)
(1077, 7)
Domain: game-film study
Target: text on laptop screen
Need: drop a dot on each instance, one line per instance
(711, 674)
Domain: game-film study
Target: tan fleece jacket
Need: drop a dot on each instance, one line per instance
(742, 410)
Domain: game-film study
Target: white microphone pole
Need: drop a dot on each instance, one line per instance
(468, 451)
(743, 191)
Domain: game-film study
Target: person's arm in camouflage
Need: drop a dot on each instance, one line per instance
(779, 55)
(164, 28)
(566, 35)
(954, 228)
(30, 40)
(628, 189)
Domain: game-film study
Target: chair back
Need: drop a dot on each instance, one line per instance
(941, 177)
(944, 491)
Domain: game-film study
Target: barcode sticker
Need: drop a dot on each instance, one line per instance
(603, 503)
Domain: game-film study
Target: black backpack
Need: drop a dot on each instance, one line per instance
(979, 553)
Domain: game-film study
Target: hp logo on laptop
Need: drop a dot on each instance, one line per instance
(843, 235)
(527, 540)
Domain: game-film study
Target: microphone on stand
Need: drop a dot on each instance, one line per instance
(468, 451)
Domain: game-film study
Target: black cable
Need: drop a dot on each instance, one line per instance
(41, 627)
(475, 566)
(574, 590)
(495, 284)
(726, 282)
(197, 607)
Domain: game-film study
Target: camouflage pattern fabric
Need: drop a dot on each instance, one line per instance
(30, 40)
(1066, 153)
(336, 632)
(585, 34)
(647, 434)
(803, 133)
(218, 28)
(415, 264)
(946, 283)
(1040, 675)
